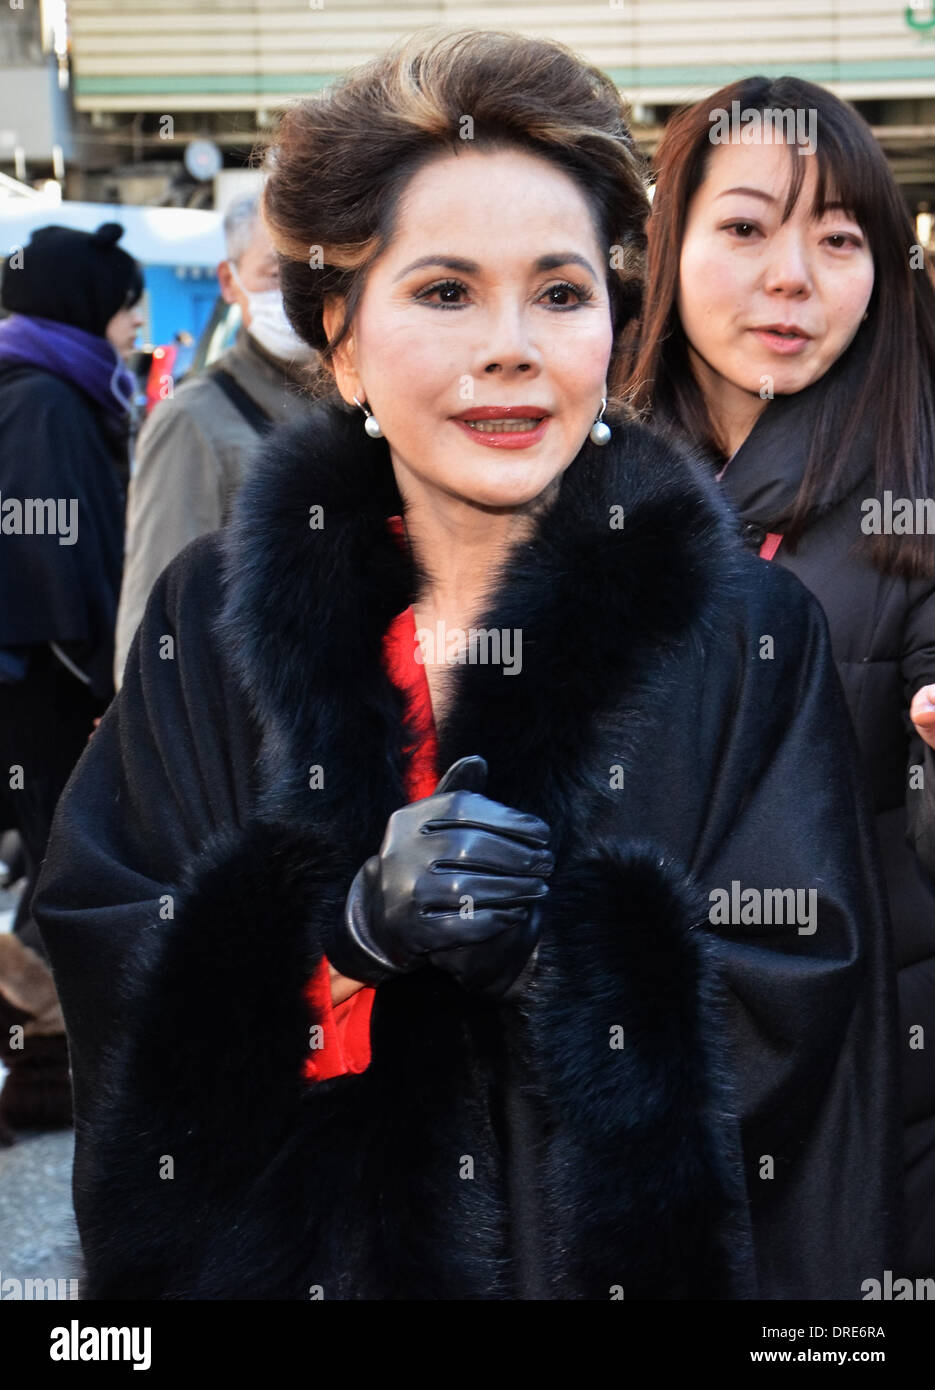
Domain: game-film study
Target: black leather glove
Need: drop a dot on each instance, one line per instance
(405, 909)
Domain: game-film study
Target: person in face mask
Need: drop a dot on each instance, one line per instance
(265, 317)
(193, 448)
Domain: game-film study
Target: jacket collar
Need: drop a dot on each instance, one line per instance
(633, 552)
(765, 473)
(269, 382)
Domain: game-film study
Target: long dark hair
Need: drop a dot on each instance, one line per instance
(895, 400)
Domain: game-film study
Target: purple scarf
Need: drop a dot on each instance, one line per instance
(86, 359)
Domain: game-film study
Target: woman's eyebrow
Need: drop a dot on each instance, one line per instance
(752, 192)
(768, 198)
(549, 262)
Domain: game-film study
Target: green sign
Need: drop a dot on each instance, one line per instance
(915, 19)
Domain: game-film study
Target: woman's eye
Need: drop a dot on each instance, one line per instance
(446, 289)
(581, 292)
(741, 229)
(842, 240)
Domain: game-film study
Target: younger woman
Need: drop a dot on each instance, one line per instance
(789, 335)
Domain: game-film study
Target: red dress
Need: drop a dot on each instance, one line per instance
(345, 1043)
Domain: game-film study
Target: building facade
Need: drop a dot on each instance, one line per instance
(149, 78)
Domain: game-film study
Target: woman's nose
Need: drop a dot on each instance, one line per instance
(507, 340)
(788, 270)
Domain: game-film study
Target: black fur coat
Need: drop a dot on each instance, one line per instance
(741, 1143)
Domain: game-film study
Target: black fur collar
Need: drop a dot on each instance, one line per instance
(307, 608)
(624, 1166)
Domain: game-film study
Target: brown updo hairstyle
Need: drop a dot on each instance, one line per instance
(341, 159)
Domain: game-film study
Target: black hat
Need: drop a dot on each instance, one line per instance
(79, 278)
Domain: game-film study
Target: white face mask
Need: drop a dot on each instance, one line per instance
(269, 325)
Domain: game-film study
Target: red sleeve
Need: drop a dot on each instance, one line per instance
(345, 1030)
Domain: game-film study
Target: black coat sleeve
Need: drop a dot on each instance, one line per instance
(918, 669)
(812, 1001)
(155, 861)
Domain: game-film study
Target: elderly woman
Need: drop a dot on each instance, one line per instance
(469, 894)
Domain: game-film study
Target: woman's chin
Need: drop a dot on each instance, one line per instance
(502, 496)
(505, 481)
(774, 375)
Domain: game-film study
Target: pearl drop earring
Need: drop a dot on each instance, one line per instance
(371, 424)
(600, 433)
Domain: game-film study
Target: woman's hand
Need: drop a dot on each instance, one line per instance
(922, 713)
(456, 882)
(341, 987)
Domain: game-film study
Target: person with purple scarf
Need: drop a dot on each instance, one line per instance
(66, 408)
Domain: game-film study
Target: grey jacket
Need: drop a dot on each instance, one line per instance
(190, 462)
